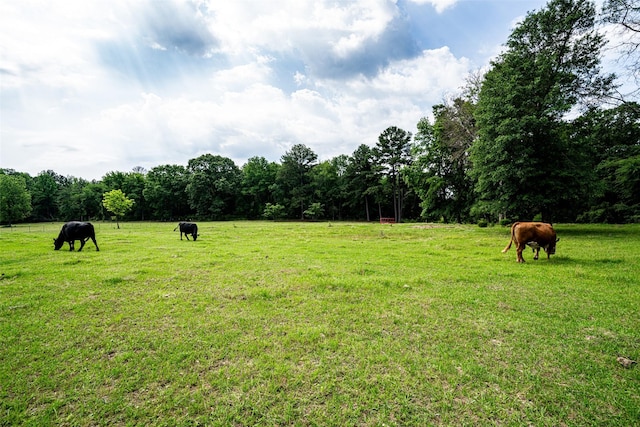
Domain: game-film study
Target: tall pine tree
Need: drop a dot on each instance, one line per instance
(393, 153)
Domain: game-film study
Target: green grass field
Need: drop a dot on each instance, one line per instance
(322, 324)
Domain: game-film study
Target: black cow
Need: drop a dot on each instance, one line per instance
(75, 230)
(188, 228)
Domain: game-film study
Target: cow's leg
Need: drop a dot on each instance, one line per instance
(537, 251)
(186, 235)
(181, 235)
(519, 250)
(82, 242)
(71, 245)
(95, 243)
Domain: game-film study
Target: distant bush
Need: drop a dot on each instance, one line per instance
(273, 212)
(315, 211)
(482, 223)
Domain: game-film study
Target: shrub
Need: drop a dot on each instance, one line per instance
(315, 211)
(273, 211)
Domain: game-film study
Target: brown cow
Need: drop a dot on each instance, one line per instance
(535, 234)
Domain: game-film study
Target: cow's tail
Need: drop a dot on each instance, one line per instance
(513, 229)
(176, 228)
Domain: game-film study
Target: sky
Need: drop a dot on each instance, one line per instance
(89, 87)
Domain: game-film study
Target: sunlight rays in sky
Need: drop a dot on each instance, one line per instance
(89, 87)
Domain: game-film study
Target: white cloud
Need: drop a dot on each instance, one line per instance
(36, 49)
(239, 76)
(294, 24)
(91, 87)
(423, 77)
(320, 33)
(439, 5)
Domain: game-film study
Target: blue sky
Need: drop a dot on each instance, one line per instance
(93, 86)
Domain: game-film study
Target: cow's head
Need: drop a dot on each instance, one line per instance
(551, 249)
(195, 236)
(57, 243)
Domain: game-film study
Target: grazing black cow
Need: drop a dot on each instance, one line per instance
(75, 230)
(188, 228)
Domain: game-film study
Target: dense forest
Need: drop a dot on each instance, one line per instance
(542, 134)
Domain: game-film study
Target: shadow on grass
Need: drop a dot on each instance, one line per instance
(564, 260)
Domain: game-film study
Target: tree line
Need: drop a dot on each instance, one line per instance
(544, 134)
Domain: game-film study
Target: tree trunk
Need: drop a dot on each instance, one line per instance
(400, 203)
(366, 207)
(395, 203)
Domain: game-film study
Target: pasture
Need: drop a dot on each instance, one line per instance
(323, 324)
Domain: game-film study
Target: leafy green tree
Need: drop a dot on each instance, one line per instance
(294, 178)
(258, 178)
(70, 199)
(213, 185)
(424, 175)
(80, 199)
(273, 211)
(393, 153)
(15, 200)
(165, 191)
(627, 183)
(522, 160)
(91, 200)
(114, 180)
(612, 136)
(132, 184)
(116, 202)
(28, 180)
(440, 173)
(45, 190)
(339, 197)
(315, 210)
(329, 185)
(362, 179)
